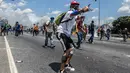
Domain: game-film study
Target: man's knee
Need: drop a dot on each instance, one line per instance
(64, 58)
(71, 53)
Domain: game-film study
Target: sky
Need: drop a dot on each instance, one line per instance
(28, 12)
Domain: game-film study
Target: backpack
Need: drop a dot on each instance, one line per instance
(60, 18)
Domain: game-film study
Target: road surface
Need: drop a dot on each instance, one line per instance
(27, 55)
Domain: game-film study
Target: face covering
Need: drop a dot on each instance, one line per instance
(51, 21)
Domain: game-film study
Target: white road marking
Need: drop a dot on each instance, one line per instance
(128, 56)
(12, 65)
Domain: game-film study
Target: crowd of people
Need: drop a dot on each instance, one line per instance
(73, 18)
(6, 28)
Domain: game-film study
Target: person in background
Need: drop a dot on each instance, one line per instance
(124, 33)
(35, 29)
(91, 30)
(17, 29)
(21, 29)
(98, 31)
(86, 31)
(102, 32)
(80, 27)
(49, 29)
(108, 32)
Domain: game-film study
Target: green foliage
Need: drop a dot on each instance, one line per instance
(121, 23)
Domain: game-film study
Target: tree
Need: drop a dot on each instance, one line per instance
(121, 23)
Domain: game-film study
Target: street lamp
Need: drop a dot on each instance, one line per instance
(99, 15)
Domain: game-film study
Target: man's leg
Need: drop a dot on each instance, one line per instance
(22, 32)
(85, 36)
(4, 31)
(78, 43)
(33, 32)
(46, 39)
(63, 60)
(125, 37)
(69, 54)
(90, 39)
(0, 32)
(108, 36)
(92, 36)
(65, 44)
(101, 36)
(7, 32)
(51, 40)
(81, 37)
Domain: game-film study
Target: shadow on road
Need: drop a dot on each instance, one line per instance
(55, 66)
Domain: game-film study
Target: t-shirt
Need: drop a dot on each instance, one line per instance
(66, 27)
(92, 27)
(50, 26)
(108, 31)
(21, 27)
(35, 27)
(18, 27)
(80, 25)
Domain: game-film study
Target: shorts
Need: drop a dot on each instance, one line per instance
(65, 41)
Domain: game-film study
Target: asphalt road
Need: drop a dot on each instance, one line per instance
(100, 57)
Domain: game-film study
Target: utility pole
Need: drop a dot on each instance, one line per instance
(99, 15)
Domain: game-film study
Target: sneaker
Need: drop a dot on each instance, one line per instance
(52, 46)
(44, 46)
(61, 71)
(69, 67)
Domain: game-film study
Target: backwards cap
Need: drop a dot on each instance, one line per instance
(74, 3)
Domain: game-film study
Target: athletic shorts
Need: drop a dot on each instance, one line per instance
(65, 41)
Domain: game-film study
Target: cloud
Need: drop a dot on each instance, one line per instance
(126, 1)
(54, 12)
(27, 11)
(43, 19)
(125, 8)
(67, 5)
(102, 21)
(110, 18)
(95, 10)
(49, 8)
(21, 4)
(94, 17)
(24, 16)
(1, 1)
(6, 5)
(33, 18)
(19, 11)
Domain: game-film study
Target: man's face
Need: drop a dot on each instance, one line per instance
(52, 20)
(82, 19)
(76, 7)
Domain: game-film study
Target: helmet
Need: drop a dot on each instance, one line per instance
(74, 3)
(52, 18)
